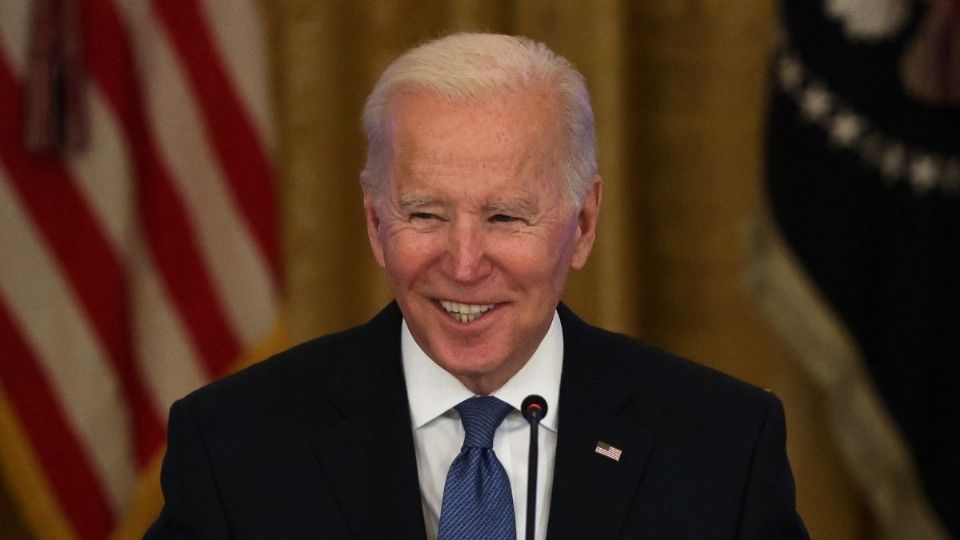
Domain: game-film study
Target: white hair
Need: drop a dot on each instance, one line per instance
(471, 66)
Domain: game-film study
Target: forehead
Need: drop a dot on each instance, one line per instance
(512, 139)
(518, 111)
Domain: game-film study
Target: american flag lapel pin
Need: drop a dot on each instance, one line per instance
(608, 451)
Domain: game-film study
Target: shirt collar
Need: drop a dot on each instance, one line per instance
(433, 391)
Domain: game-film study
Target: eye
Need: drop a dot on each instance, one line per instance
(422, 215)
(502, 218)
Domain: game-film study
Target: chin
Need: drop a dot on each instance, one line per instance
(469, 364)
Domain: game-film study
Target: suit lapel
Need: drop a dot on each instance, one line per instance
(592, 492)
(368, 457)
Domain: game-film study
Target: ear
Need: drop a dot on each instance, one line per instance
(373, 224)
(587, 223)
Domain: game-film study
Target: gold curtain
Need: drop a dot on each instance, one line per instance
(678, 88)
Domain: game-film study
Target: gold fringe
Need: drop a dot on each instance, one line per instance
(869, 441)
(147, 502)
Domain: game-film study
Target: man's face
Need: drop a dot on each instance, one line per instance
(474, 231)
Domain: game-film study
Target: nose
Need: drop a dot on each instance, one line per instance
(466, 259)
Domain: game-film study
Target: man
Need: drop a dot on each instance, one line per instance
(480, 192)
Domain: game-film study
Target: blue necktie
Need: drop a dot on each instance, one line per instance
(477, 502)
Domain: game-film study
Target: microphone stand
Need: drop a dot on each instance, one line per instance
(534, 408)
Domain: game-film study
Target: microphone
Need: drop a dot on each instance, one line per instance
(533, 408)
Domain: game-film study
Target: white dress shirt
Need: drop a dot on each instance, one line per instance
(438, 433)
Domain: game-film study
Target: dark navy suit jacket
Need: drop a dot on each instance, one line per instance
(316, 442)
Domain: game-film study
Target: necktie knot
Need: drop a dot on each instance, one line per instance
(480, 416)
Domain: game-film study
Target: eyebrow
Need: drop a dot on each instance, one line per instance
(411, 201)
(417, 201)
(513, 206)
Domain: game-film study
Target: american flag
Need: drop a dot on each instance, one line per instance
(138, 238)
(606, 450)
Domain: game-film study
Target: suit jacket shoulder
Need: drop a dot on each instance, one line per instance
(329, 368)
(300, 445)
(701, 454)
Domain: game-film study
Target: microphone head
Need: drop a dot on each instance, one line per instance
(534, 408)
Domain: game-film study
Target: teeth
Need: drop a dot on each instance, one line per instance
(465, 312)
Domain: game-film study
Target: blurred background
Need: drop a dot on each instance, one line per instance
(179, 197)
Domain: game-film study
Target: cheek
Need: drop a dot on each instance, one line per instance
(409, 253)
(545, 264)
(535, 264)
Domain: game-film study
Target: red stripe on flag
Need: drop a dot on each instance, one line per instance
(64, 460)
(166, 222)
(227, 122)
(76, 238)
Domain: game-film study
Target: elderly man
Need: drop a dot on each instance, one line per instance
(480, 193)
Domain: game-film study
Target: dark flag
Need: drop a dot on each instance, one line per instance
(863, 169)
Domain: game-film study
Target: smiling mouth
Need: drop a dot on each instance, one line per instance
(465, 313)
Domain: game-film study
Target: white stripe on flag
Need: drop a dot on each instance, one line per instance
(242, 279)
(163, 350)
(14, 27)
(161, 346)
(237, 32)
(104, 174)
(46, 310)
